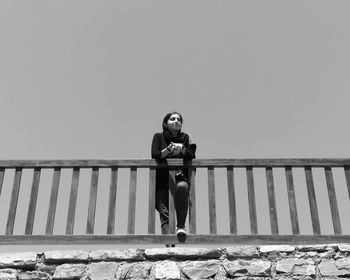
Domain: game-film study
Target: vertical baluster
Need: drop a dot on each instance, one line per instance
(231, 200)
(152, 201)
(312, 200)
(347, 177)
(92, 201)
(251, 199)
(53, 200)
(192, 198)
(292, 201)
(132, 200)
(2, 173)
(272, 200)
(112, 201)
(172, 186)
(73, 200)
(32, 202)
(212, 202)
(333, 201)
(14, 201)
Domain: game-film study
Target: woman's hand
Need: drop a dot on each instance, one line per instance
(176, 148)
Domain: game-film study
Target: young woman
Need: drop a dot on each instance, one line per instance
(172, 143)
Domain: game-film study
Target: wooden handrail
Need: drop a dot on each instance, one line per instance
(114, 165)
(146, 163)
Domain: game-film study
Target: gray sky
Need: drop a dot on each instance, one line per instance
(93, 79)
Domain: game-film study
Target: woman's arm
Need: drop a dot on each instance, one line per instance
(157, 153)
(189, 150)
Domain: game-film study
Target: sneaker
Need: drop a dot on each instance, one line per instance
(181, 234)
(169, 245)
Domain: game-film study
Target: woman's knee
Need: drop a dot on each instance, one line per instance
(182, 186)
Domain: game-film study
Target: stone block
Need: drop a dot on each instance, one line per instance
(253, 267)
(18, 260)
(296, 266)
(308, 248)
(50, 269)
(344, 247)
(66, 256)
(242, 252)
(166, 270)
(8, 274)
(101, 271)
(138, 270)
(328, 267)
(200, 269)
(69, 271)
(117, 255)
(33, 275)
(276, 248)
(182, 253)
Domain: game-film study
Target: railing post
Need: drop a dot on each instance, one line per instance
(33, 200)
(292, 203)
(152, 201)
(231, 200)
(212, 202)
(272, 200)
(251, 198)
(192, 201)
(132, 200)
(14, 201)
(112, 200)
(53, 200)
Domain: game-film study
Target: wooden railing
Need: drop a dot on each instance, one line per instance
(230, 165)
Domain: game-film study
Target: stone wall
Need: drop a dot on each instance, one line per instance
(240, 262)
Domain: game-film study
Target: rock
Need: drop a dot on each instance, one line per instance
(18, 260)
(343, 264)
(276, 248)
(344, 247)
(139, 270)
(253, 267)
(307, 248)
(117, 255)
(328, 267)
(33, 275)
(242, 252)
(8, 274)
(182, 253)
(200, 269)
(50, 269)
(101, 271)
(296, 266)
(166, 270)
(69, 271)
(66, 256)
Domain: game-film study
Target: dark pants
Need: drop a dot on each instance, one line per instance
(181, 205)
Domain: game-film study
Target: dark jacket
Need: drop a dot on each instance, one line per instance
(160, 142)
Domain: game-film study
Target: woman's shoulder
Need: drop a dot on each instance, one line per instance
(158, 135)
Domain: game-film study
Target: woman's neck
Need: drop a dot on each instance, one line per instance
(173, 133)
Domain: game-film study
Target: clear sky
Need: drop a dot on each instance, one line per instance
(253, 79)
(93, 79)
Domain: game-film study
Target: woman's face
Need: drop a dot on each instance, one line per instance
(174, 122)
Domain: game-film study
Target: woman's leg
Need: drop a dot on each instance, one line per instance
(163, 209)
(181, 202)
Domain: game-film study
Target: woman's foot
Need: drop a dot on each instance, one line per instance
(181, 234)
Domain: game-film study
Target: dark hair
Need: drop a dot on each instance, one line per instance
(167, 117)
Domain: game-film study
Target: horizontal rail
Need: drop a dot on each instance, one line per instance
(171, 238)
(145, 163)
